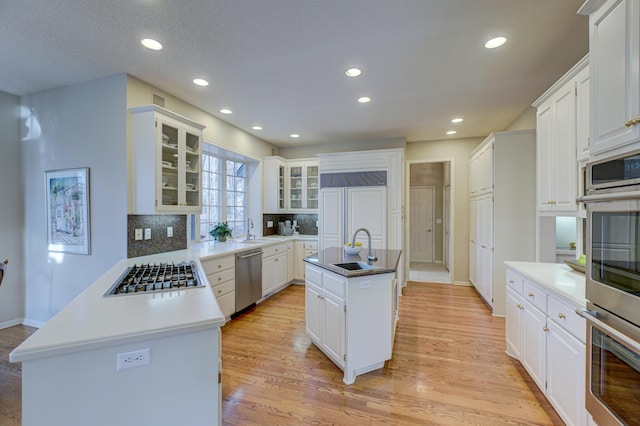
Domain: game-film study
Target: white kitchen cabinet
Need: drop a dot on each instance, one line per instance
(303, 186)
(614, 47)
(274, 268)
(221, 276)
(302, 250)
(559, 126)
(273, 185)
(547, 336)
(583, 117)
(166, 162)
(351, 320)
(291, 261)
(501, 213)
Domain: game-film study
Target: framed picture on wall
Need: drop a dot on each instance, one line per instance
(68, 221)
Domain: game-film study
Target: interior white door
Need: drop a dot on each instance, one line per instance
(421, 227)
(445, 226)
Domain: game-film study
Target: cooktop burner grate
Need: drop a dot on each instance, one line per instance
(151, 278)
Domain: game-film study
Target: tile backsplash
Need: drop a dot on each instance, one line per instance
(307, 223)
(159, 242)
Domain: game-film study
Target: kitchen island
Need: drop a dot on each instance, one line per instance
(351, 308)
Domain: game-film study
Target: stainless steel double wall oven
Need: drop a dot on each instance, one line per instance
(613, 290)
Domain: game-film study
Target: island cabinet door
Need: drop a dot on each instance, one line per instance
(334, 328)
(534, 344)
(313, 311)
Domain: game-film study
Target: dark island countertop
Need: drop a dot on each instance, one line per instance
(387, 261)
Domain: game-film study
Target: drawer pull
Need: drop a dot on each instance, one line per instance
(531, 294)
(511, 282)
(219, 291)
(519, 306)
(561, 315)
(219, 266)
(219, 278)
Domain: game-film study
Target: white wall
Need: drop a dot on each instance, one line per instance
(458, 150)
(11, 223)
(526, 120)
(77, 126)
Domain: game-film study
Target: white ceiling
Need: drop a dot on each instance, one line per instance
(281, 63)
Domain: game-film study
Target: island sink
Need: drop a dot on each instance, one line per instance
(355, 266)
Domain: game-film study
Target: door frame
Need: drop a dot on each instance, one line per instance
(433, 218)
(407, 219)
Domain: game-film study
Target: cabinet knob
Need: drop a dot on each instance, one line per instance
(561, 315)
(519, 306)
(545, 328)
(219, 291)
(219, 266)
(531, 295)
(630, 122)
(511, 282)
(219, 278)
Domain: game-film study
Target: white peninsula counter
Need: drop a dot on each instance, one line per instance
(70, 373)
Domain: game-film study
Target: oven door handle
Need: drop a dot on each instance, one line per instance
(612, 196)
(591, 317)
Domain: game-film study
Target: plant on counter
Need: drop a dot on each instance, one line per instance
(221, 231)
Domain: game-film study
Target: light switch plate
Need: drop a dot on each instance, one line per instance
(169, 231)
(138, 234)
(147, 233)
(269, 224)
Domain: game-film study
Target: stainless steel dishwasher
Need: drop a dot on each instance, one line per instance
(248, 278)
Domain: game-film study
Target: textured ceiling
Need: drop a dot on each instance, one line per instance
(280, 63)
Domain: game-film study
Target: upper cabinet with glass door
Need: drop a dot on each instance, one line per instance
(167, 156)
(303, 186)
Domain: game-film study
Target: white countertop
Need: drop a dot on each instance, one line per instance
(92, 321)
(558, 278)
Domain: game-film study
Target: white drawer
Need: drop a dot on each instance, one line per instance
(567, 318)
(273, 250)
(535, 296)
(224, 288)
(218, 264)
(515, 282)
(221, 277)
(314, 275)
(311, 245)
(334, 285)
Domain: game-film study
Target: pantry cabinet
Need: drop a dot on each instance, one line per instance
(557, 141)
(166, 162)
(614, 47)
(501, 211)
(548, 337)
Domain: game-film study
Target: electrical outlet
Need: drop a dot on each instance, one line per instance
(269, 224)
(169, 231)
(147, 233)
(134, 359)
(138, 234)
(365, 284)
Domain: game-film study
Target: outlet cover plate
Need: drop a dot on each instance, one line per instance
(133, 359)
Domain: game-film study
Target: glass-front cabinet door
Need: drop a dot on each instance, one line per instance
(303, 186)
(281, 178)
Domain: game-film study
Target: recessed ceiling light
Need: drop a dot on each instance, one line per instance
(200, 82)
(294, 135)
(226, 111)
(353, 72)
(457, 120)
(451, 132)
(495, 42)
(150, 43)
(364, 99)
(257, 128)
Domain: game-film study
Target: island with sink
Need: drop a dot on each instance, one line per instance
(351, 303)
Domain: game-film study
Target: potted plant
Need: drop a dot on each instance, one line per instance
(221, 231)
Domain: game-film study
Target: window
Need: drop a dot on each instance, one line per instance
(224, 193)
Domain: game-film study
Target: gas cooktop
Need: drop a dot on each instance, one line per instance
(153, 278)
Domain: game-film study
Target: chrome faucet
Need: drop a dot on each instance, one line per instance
(249, 226)
(370, 256)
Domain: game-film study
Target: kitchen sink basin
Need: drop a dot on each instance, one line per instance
(355, 266)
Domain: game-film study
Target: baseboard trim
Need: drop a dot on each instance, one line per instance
(32, 323)
(10, 323)
(463, 283)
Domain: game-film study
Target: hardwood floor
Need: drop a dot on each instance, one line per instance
(448, 368)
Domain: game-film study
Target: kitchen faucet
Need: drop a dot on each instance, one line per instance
(370, 256)
(249, 226)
